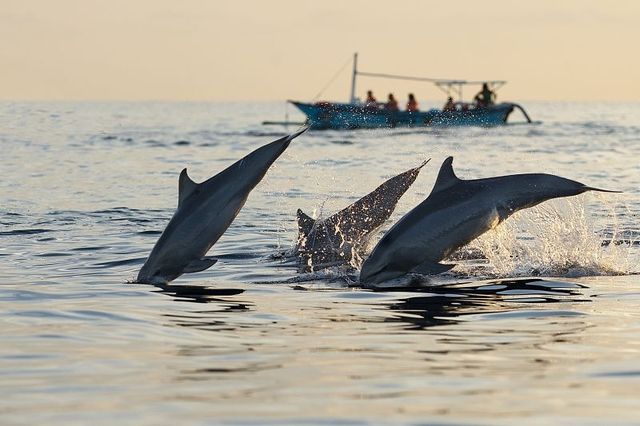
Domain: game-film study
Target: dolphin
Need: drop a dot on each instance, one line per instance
(456, 212)
(335, 240)
(205, 211)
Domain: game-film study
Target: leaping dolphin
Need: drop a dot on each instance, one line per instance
(456, 212)
(335, 240)
(205, 211)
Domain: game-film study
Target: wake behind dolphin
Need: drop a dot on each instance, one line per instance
(335, 240)
(455, 213)
(204, 213)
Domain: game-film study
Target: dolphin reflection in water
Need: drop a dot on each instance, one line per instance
(205, 211)
(455, 213)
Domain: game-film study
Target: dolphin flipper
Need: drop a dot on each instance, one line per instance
(431, 268)
(200, 264)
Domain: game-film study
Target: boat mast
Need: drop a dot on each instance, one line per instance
(353, 78)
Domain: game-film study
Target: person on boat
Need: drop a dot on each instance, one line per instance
(371, 101)
(449, 105)
(392, 104)
(412, 104)
(485, 97)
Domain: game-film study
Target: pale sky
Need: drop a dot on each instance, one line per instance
(207, 50)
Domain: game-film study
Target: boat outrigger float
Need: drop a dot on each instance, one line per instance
(357, 115)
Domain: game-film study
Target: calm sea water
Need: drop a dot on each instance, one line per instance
(540, 321)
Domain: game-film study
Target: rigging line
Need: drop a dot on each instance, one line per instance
(315, 98)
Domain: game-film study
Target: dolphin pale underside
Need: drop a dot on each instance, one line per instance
(205, 211)
(455, 213)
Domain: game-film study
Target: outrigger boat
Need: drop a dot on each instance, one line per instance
(357, 115)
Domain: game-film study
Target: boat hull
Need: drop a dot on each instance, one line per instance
(339, 116)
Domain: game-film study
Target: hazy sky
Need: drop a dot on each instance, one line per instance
(281, 49)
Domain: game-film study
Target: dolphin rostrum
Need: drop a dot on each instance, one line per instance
(205, 211)
(456, 212)
(336, 240)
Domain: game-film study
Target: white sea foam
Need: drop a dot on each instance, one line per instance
(558, 238)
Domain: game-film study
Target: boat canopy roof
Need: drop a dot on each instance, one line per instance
(444, 84)
(447, 85)
(436, 81)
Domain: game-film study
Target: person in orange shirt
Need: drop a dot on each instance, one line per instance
(412, 104)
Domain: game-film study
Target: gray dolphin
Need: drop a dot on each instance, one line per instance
(456, 212)
(335, 240)
(205, 211)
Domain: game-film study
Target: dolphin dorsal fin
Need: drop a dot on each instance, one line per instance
(446, 177)
(305, 223)
(186, 186)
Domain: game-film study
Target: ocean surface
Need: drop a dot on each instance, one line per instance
(539, 323)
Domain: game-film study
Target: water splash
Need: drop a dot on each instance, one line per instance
(330, 245)
(559, 238)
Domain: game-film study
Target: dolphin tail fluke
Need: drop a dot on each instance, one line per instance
(431, 268)
(305, 223)
(200, 264)
(591, 188)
